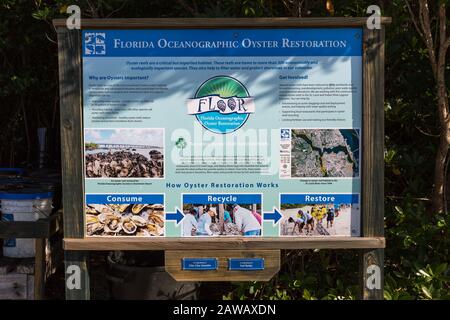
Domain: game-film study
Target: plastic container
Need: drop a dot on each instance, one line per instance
(23, 205)
(12, 171)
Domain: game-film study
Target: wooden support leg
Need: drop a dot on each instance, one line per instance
(39, 269)
(77, 275)
(372, 274)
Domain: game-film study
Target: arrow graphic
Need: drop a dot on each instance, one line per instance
(177, 215)
(275, 215)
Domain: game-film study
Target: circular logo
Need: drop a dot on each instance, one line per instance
(221, 104)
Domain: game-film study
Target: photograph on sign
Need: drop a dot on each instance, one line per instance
(222, 215)
(208, 115)
(332, 153)
(320, 215)
(140, 215)
(124, 153)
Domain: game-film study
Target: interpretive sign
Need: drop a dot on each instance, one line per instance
(223, 141)
(222, 132)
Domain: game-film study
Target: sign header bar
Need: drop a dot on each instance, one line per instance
(224, 42)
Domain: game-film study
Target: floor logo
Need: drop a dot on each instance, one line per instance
(221, 104)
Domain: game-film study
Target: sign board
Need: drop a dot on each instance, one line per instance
(224, 132)
(222, 141)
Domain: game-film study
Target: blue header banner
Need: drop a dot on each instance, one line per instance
(319, 198)
(222, 198)
(223, 42)
(124, 198)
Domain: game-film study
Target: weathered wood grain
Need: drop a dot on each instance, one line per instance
(134, 243)
(76, 267)
(189, 23)
(13, 286)
(372, 178)
(271, 265)
(39, 270)
(70, 91)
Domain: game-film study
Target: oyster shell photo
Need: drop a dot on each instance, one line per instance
(141, 158)
(112, 220)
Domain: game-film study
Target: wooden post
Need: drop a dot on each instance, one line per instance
(39, 269)
(221, 217)
(372, 180)
(70, 91)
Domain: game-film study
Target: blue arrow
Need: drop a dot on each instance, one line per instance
(178, 215)
(275, 215)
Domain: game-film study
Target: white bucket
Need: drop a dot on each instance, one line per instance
(23, 206)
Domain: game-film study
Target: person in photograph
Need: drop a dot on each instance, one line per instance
(189, 223)
(299, 223)
(246, 222)
(198, 210)
(227, 217)
(257, 216)
(308, 218)
(323, 213)
(336, 210)
(214, 216)
(204, 223)
(317, 214)
(330, 217)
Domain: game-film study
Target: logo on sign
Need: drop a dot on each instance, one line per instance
(221, 104)
(94, 43)
(285, 133)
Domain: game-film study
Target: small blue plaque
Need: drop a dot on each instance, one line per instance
(249, 264)
(200, 264)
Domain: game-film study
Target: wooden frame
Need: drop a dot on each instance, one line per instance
(271, 260)
(211, 23)
(372, 174)
(92, 244)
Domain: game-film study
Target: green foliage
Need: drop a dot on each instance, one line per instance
(91, 145)
(307, 275)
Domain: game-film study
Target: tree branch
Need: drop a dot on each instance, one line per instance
(188, 8)
(442, 25)
(425, 21)
(413, 18)
(118, 9)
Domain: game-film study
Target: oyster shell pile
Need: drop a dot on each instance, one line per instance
(124, 164)
(230, 229)
(145, 220)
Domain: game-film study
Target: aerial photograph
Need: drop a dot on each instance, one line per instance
(325, 153)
